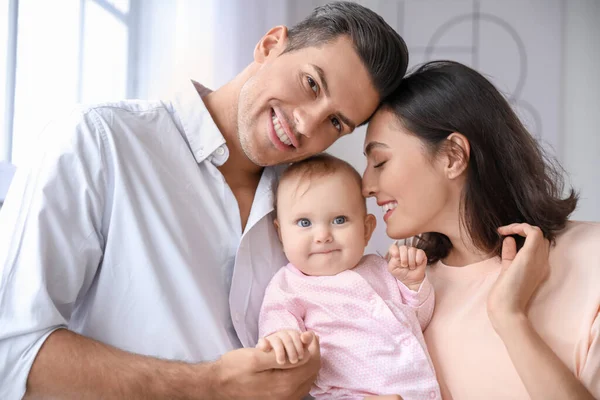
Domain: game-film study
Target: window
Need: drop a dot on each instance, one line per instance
(65, 52)
(7, 70)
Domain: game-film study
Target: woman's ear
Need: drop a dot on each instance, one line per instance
(273, 43)
(370, 224)
(458, 153)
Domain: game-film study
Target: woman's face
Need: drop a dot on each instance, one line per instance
(408, 184)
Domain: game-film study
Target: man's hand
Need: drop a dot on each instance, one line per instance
(256, 374)
(407, 264)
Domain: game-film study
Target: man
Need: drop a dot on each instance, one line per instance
(143, 231)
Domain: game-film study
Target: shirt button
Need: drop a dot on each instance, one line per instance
(406, 342)
(236, 317)
(220, 151)
(432, 395)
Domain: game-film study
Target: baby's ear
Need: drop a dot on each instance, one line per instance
(276, 223)
(370, 224)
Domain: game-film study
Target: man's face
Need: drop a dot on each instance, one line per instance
(297, 104)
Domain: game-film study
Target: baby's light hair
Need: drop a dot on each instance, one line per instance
(318, 166)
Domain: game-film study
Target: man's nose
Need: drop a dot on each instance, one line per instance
(308, 118)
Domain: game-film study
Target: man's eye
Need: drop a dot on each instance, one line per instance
(339, 220)
(313, 85)
(303, 223)
(336, 123)
(380, 164)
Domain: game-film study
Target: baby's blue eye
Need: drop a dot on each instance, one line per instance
(339, 220)
(303, 223)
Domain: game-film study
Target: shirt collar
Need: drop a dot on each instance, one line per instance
(199, 128)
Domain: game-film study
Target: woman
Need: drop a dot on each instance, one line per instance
(517, 284)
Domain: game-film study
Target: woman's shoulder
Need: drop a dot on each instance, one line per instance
(580, 234)
(578, 246)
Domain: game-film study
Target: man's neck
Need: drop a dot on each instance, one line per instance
(222, 104)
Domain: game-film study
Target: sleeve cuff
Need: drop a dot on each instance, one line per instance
(416, 298)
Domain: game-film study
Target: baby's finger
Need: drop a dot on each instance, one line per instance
(307, 337)
(421, 258)
(393, 251)
(403, 256)
(394, 263)
(279, 349)
(412, 256)
(263, 344)
(298, 344)
(290, 347)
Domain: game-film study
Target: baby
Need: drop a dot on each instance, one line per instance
(367, 312)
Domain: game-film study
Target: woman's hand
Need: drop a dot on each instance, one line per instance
(521, 274)
(544, 375)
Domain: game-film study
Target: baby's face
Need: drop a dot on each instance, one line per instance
(323, 223)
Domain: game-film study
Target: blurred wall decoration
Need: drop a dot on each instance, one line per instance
(543, 54)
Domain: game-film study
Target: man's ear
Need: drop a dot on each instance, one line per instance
(272, 44)
(457, 155)
(276, 223)
(370, 224)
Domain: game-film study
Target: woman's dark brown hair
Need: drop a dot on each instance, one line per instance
(509, 176)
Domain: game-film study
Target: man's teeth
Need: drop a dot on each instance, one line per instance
(389, 206)
(280, 132)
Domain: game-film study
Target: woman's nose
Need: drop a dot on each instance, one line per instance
(368, 189)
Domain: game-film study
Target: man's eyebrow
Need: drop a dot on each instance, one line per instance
(322, 78)
(347, 121)
(373, 145)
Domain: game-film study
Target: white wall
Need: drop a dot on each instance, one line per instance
(156, 47)
(212, 40)
(177, 40)
(208, 40)
(580, 141)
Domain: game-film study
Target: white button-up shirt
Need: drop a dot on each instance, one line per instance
(124, 230)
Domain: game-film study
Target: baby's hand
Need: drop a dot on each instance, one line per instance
(288, 345)
(407, 264)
